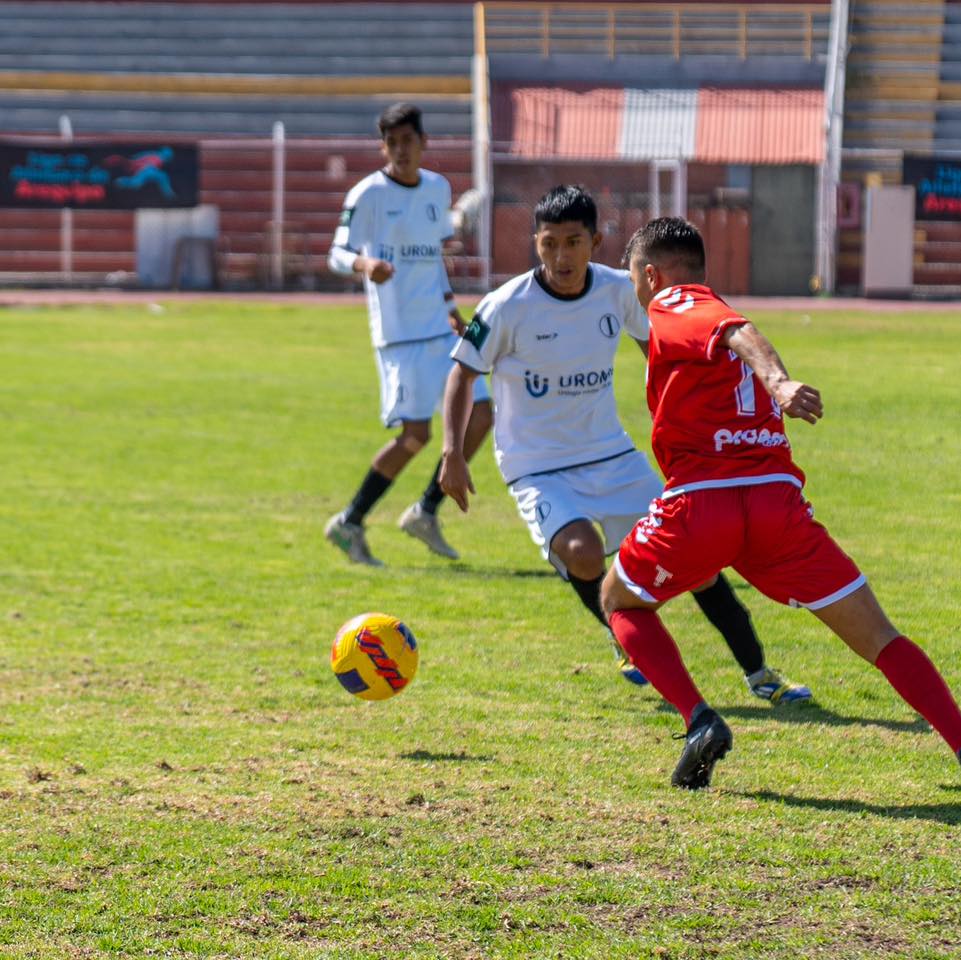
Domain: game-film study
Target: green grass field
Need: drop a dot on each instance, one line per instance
(182, 776)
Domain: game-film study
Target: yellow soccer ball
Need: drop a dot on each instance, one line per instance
(374, 656)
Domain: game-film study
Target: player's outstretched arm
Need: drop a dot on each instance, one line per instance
(795, 399)
(454, 478)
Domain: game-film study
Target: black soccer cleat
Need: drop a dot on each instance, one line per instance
(708, 739)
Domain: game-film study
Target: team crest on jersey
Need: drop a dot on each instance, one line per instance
(609, 325)
(345, 217)
(476, 333)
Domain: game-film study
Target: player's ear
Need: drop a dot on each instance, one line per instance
(596, 242)
(653, 276)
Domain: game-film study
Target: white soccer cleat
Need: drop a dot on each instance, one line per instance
(350, 538)
(426, 528)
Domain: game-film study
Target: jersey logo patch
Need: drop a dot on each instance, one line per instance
(609, 325)
(345, 217)
(535, 386)
(477, 332)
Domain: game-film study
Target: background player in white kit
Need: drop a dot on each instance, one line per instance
(392, 231)
(548, 338)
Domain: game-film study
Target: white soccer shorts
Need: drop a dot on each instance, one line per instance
(413, 376)
(612, 494)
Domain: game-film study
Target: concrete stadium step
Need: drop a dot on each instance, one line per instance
(939, 231)
(892, 109)
(941, 252)
(250, 63)
(876, 128)
(885, 162)
(901, 140)
(214, 19)
(937, 274)
(210, 116)
(34, 262)
(267, 47)
(951, 68)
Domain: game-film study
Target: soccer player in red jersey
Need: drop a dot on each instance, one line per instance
(718, 392)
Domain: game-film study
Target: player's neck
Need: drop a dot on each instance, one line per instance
(404, 180)
(540, 275)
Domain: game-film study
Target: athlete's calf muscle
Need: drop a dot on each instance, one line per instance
(860, 622)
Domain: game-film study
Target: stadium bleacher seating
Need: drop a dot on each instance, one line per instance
(222, 70)
(903, 96)
(211, 71)
(157, 41)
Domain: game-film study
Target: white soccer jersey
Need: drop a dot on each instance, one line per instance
(405, 226)
(551, 361)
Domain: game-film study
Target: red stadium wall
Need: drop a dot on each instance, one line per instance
(237, 178)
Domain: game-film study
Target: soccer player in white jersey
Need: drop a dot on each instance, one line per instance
(391, 232)
(548, 339)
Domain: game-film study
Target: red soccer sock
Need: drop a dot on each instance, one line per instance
(653, 651)
(916, 678)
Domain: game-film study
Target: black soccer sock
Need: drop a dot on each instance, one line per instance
(371, 490)
(732, 619)
(431, 497)
(590, 593)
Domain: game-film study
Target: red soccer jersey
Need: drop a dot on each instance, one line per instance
(714, 423)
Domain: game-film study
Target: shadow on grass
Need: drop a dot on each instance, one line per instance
(812, 713)
(499, 573)
(938, 812)
(432, 757)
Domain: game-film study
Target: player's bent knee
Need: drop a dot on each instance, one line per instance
(616, 596)
(580, 549)
(415, 435)
(584, 567)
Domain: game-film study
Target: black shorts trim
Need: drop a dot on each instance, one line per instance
(573, 466)
(467, 366)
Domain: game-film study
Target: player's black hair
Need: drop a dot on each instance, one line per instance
(399, 115)
(566, 203)
(667, 239)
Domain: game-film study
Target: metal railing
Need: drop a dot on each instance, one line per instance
(671, 30)
(278, 199)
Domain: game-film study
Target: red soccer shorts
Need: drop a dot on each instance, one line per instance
(766, 532)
